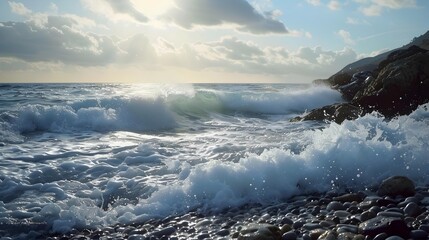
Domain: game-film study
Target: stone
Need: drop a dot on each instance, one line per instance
(345, 236)
(223, 233)
(336, 112)
(418, 234)
(396, 185)
(164, 232)
(381, 236)
(327, 235)
(291, 235)
(412, 209)
(394, 238)
(334, 206)
(367, 215)
(350, 197)
(380, 224)
(260, 232)
(316, 233)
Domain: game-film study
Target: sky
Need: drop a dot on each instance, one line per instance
(235, 41)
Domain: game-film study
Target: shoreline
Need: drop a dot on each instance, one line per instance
(330, 215)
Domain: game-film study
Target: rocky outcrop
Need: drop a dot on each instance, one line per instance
(397, 87)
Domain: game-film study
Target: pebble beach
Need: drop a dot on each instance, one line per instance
(331, 215)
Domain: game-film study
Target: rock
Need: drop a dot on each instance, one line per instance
(399, 88)
(418, 234)
(345, 236)
(350, 197)
(381, 236)
(260, 232)
(291, 235)
(394, 238)
(223, 233)
(367, 215)
(356, 83)
(334, 206)
(336, 112)
(397, 185)
(164, 232)
(388, 225)
(316, 233)
(327, 235)
(412, 209)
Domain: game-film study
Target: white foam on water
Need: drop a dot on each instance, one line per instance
(115, 114)
(355, 154)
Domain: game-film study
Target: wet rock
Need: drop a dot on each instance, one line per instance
(291, 235)
(381, 236)
(327, 235)
(412, 209)
(334, 206)
(223, 233)
(336, 112)
(396, 185)
(260, 232)
(316, 233)
(418, 234)
(350, 197)
(394, 238)
(399, 88)
(346, 236)
(380, 224)
(164, 232)
(367, 215)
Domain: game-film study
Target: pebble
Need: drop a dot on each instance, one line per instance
(291, 235)
(332, 215)
(412, 209)
(334, 206)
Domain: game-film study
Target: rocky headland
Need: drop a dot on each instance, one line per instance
(392, 84)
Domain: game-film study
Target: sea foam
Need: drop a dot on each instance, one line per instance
(356, 154)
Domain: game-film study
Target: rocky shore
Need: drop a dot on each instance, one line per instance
(395, 210)
(391, 85)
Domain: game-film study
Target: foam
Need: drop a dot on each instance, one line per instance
(115, 114)
(356, 154)
(283, 101)
(87, 182)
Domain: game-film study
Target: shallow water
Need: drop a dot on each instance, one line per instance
(93, 155)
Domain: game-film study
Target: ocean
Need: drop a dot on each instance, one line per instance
(87, 156)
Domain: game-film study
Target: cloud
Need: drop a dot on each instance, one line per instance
(19, 8)
(354, 21)
(346, 36)
(376, 7)
(114, 9)
(314, 2)
(56, 41)
(230, 54)
(334, 5)
(238, 13)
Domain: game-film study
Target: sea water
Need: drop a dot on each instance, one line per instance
(76, 156)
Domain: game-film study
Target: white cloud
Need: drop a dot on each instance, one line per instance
(346, 36)
(355, 21)
(233, 55)
(115, 10)
(236, 13)
(334, 5)
(314, 2)
(376, 7)
(396, 4)
(19, 8)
